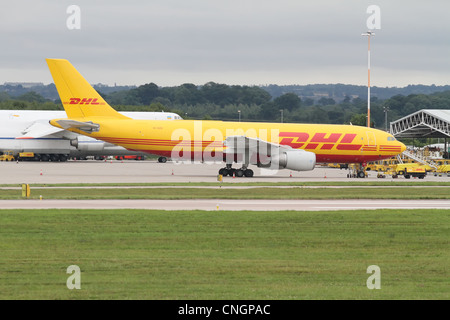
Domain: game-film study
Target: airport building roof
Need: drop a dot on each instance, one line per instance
(423, 124)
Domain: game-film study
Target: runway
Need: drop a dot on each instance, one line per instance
(233, 205)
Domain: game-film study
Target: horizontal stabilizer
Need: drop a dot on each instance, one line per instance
(83, 126)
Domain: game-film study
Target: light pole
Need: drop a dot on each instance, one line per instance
(281, 115)
(385, 109)
(239, 112)
(368, 34)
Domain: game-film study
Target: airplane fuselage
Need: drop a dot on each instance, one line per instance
(330, 143)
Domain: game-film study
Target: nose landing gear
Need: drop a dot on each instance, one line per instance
(357, 171)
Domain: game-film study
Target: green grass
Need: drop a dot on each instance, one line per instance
(360, 182)
(224, 193)
(141, 254)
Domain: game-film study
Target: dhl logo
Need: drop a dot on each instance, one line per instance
(299, 140)
(85, 101)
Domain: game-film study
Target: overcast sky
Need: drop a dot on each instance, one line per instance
(252, 42)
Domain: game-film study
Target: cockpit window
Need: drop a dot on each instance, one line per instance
(391, 138)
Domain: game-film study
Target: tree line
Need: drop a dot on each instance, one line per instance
(250, 103)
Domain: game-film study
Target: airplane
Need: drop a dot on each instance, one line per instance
(271, 146)
(29, 131)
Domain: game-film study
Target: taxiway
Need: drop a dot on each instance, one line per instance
(130, 171)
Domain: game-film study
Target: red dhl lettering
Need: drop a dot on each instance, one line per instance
(84, 101)
(327, 146)
(289, 137)
(311, 146)
(297, 140)
(320, 137)
(348, 138)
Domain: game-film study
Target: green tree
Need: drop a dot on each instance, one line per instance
(187, 94)
(219, 94)
(269, 111)
(31, 97)
(147, 92)
(326, 101)
(288, 101)
(359, 120)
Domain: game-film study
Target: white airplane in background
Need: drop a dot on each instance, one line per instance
(30, 131)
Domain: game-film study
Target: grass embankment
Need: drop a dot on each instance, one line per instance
(139, 254)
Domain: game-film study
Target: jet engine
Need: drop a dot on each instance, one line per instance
(87, 144)
(298, 160)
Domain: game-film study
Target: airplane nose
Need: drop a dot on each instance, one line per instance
(402, 147)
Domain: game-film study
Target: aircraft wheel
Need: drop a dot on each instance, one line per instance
(239, 173)
(248, 173)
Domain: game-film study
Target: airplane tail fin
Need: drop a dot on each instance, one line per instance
(78, 97)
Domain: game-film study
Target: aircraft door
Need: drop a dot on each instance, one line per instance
(371, 139)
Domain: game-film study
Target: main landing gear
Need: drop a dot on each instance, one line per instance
(229, 171)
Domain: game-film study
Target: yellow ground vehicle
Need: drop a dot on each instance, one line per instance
(7, 156)
(382, 166)
(378, 167)
(409, 170)
(26, 156)
(441, 162)
(445, 168)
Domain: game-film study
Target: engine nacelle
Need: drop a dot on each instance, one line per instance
(298, 160)
(87, 144)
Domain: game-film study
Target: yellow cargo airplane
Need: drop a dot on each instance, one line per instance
(267, 145)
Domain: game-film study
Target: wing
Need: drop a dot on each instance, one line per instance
(39, 130)
(267, 154)
(236, 144)
(250, 148)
